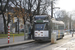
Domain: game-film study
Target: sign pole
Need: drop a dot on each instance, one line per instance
(13, 29)
(13, 37)
(13, 33)
(8, 33)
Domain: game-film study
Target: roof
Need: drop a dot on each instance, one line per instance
(40, 15)
(58, 22)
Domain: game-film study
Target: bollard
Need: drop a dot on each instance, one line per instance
(13, 38)
(8, 33)
(53, 37)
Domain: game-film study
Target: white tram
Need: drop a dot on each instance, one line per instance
(44, 26)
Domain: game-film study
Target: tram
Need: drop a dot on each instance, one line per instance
(44, 26)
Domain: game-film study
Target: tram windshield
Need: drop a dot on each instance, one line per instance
(41, 27)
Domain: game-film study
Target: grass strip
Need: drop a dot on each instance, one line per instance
(11, 35)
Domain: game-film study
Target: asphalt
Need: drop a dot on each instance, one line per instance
(16, 43)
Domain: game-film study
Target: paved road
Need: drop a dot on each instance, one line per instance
(29, 46)
(41, 46)
(16, 39)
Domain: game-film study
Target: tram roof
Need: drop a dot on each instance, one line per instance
(58, 22)
(40, 15)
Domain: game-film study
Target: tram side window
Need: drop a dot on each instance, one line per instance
(60, 27)
(55, 27)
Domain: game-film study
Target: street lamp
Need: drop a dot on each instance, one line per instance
(0, 6)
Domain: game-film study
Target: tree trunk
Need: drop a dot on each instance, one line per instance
(5, 27)
(18, 25)
(8, 20)
(24, 28)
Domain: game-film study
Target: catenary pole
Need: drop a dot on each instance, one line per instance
(51, 9)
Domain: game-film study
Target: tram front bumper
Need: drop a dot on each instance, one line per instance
(42, 38)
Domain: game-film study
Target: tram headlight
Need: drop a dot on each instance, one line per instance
(41, 35)
(35, 32)
(41, 32)
(38, 33)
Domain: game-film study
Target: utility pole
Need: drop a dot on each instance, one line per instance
(29, 9)
(24, 29)
(18, 19)
(38, 10)
(70, 24)
(51, 9)
(68, 27)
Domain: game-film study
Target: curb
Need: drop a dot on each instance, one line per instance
(16, 43)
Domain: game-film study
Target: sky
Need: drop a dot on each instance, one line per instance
(68, 5)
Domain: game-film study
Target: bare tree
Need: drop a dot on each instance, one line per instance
(63, 16)
(4, 4)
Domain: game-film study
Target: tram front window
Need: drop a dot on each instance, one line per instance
(41, 27)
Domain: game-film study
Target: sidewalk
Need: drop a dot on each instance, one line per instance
(62, 44)
(17, 40)
(16, 43)
(68, 45)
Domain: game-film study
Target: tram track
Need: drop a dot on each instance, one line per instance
(16, 44)
(33, 45)
(29, 45)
